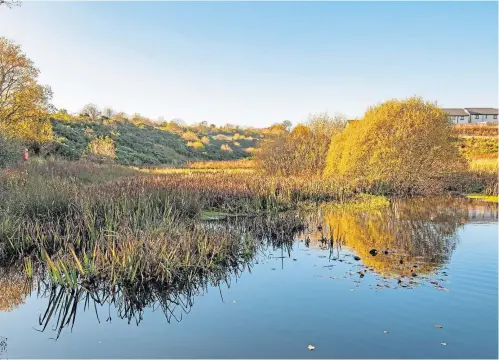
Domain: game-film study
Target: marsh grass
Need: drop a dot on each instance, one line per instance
(129, 227)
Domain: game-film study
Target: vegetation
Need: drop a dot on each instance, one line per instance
(145, 144)
(399, 147)
(302, 151)
(24, 103)
(475, 130)
(473, 147)
(137, 225)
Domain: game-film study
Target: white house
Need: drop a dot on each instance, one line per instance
(472, 115)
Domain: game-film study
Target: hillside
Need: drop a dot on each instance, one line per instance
(146, 144)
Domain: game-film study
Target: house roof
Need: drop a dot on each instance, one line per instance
(482, 111)
(456, 112)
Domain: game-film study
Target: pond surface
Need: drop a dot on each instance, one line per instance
(433, 294)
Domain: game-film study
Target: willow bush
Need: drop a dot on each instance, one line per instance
(399, 147)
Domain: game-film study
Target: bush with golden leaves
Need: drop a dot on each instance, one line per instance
(102, 146)
(399, 147)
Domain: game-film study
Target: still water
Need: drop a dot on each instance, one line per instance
(429, 292)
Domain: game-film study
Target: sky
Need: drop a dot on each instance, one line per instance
(258, 63)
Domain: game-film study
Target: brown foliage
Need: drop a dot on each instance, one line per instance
(303, 151)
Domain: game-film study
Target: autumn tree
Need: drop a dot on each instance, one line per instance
(24, 103)
(301, 152)
(400, 146)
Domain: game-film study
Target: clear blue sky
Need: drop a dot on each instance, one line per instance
(256, 63)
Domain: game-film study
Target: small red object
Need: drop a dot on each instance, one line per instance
(25, 154)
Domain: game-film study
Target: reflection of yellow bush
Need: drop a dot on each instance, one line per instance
(13, 290)
(418, 232)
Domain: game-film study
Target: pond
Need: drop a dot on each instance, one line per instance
(417, 279)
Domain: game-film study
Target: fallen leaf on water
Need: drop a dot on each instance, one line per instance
(311, 347)
(438, 326)
(443, 344)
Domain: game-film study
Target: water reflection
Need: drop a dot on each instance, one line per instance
(411, 238)
(14, 288)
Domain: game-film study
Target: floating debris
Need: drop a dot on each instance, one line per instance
(438, 326)
(444, 344)
(311, 347)
(385, 331)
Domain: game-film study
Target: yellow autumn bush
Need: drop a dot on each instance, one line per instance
(400, 146)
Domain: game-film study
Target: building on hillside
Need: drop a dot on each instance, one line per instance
(472, 115)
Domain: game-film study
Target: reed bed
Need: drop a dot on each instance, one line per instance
(135, 227)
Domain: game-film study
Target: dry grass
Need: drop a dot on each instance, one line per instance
(475, 130)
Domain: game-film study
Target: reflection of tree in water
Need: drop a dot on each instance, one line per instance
(14, 288)
(418, 234)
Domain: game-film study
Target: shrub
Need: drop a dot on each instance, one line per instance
(102, 147)
(226, 147)
(195, 144)
(10, 151)
(400, 146)
(190, 136)
(304, 150)
(205, 140)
